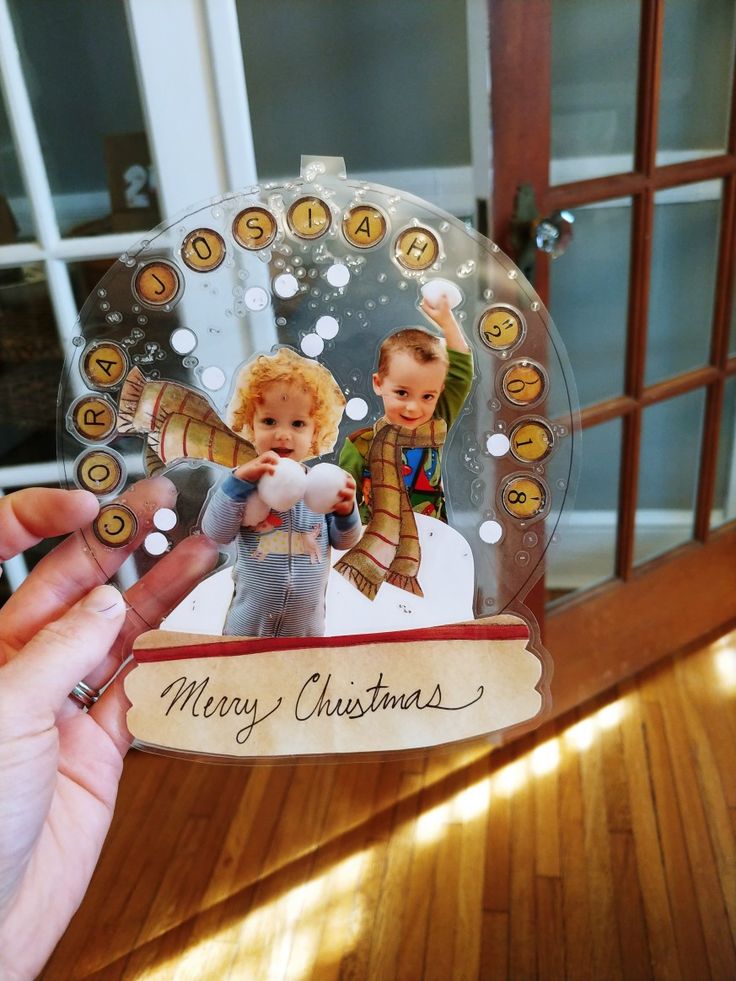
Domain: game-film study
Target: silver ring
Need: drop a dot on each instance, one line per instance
(84, 695)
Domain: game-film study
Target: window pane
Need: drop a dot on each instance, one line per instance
(16, 224)
(684, 266)
(697, 61)
(668, 474)
(593, 92)
(732, 339)
(382, 84)
(30, 369)
(589, 295)
(724, 502)
(78, 67)
(586, 551)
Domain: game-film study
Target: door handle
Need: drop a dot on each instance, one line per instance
(531, 233)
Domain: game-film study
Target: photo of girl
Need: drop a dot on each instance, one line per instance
(289, 408)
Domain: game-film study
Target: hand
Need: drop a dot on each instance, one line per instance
(255, 469)
(440, 313)
(346, 498)
(60, 765)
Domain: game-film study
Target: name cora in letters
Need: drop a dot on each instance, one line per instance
(319, 697)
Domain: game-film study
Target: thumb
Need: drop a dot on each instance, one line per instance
(39, 678)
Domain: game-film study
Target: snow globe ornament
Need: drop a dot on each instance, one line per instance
(366, 406)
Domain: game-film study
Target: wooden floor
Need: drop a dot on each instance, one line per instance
(602, 847)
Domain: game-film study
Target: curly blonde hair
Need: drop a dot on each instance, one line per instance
(286, 366)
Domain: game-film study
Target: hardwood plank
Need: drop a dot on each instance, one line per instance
(391, 917)
(522, 910)
(680, 885)
(550, 929)
(707, 841)
(471, 810)
(655, 899)
(605, 940)
(628, 909)
(543, 762)
(494, 958)
(577, 930)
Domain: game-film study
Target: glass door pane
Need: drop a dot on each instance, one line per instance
(16, 224)
(668, 474)
(595, 51)
(697, 61)
(684, 269)
(589, 297)
(724, 502)
(383, 85)
(78, 66)
(586, 551)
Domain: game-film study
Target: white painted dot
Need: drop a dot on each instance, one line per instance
(490, 532)
(286, 286)
(356, 409)
(213, 378)
(327, 327)
(338, 275)
(183, 340)
(165, 519)
(156, 543)
(312, 345)
(498, 444)
(256, 298)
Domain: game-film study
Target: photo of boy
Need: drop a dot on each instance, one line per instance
(289, 407)
(419, 377)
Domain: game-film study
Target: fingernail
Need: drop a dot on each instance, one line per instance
(105, 600)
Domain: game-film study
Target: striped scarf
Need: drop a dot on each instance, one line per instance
(389, 550)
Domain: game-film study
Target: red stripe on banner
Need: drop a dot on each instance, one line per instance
(210, 444)
(267, 645)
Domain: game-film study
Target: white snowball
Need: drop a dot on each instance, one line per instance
(323, 484)
(434, 289)
(282, 489)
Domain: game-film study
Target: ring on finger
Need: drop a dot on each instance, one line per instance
(84, 695)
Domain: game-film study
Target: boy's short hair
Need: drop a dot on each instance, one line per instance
(420, 344)
(286, 366)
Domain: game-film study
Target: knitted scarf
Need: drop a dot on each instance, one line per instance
(389, 550)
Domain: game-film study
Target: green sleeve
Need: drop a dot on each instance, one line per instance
(353, 462)
(457, 386)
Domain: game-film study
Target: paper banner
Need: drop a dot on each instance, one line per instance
(276, 697)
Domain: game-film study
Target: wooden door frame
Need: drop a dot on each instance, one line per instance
(604, 635)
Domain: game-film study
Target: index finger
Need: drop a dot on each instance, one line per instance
(27, 516)
(76, 566)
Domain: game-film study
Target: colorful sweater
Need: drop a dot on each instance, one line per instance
(281, 569)
(422, 467)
